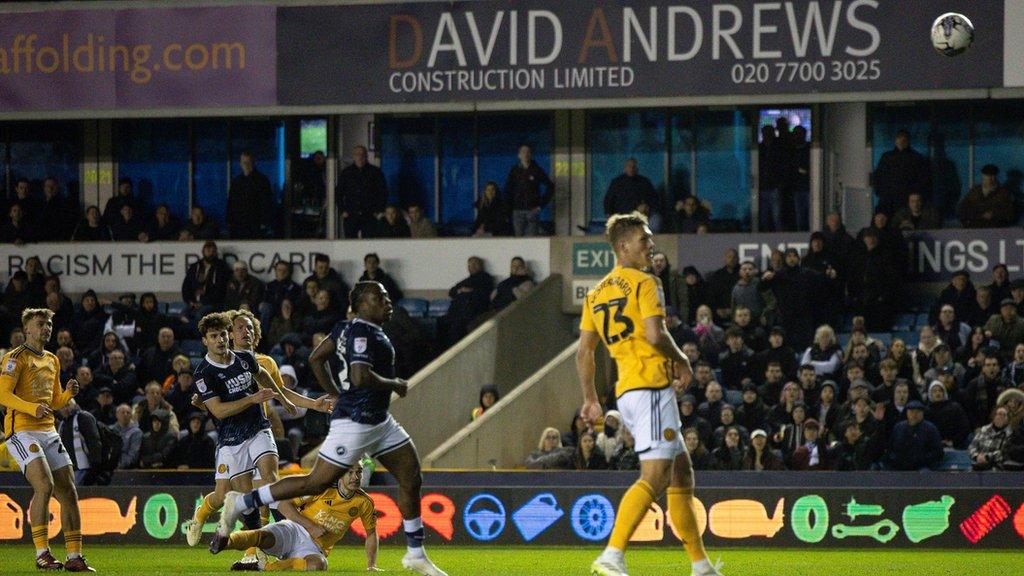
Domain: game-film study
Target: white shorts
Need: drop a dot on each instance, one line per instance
(31, 445)
(652, 417)
(291, 540)
(347, 441)
(241, 458)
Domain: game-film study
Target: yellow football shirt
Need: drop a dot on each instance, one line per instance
(615, 309)
(335, 514)
(29, 378)
(269, 365)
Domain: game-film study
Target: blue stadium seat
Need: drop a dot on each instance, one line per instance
(904, 322)
(955, 461)
(416, 307)
(921, 320)
(176, 308)
(194, 348)
(884, 337)
(439, 307)
(844, 339)
(909, 337)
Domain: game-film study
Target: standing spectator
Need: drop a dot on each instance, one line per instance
(916, 215)
(153, 401)
(155, 363)
(735, 361)
(81, 438)
(87, 389)
(747, 291)
(419, 225)
(800, 180)
(328, 279)
(243, 288)
(794, 287)
(626, 458)
(1013, 400)
(986, 450)
(206, 282)
(550, 455)
(987, 205)
(690, 215)
(250, 201)
(1000, 285)
(983, 307)
(631, 191)
(372, 272)
(281, 288)
(984, 390)
(873, 283)
(523, 189)
(131, 438)
(720, 285)
(950, 330)
(92, 228)
(493, 217)
(123, 197)
(55, 216)
(915, 443)
(128, 227)
(960, 294)
(180, 394)
(900, 172)
(837, 240)
(676, 293)
(362, 194)
(158, 443)
(697, 294)
(852, 452)
(17, 230)
(199, 227)
(516, 286)
(149, 320)
(1007, 328)
(163, 226)
(392, 224)
(948, 416)
(729, 455)
(196, 449)
(759, 455)
(17, 297)
(119, 377)
(774, 154)
(470, 298)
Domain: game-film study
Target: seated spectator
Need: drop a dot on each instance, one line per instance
(281, 288)
(825, 408)
(180, 395)
(206, 282)
(17, 229)
(155, 363)
(852, 451)
(120, 377)
(1006, 328)
(157, 444)
(284, 322)
(942, 363)
(92, 228)
(550, 455)
(489, 396)
(753, 335)
(307, 301)
(981, 309)
(625, 456)
(987, 205)
(105, 411)
(123, 196)
(149, 320)
(916, 215)
(710, 338)
(948, 416)
(87, 389)
(950, 330)
(1013, 400)
(195, 450)
(752, 413)
(328, 279)
(824, 354)
(983, 391)
(898, 354)
(470, 298)
(729, 455)
(179, 364)
(576, 429)
(322, 319)
(243, 288)
(915, 443)
(759, 455)
(711, 408)
(587, 455)
(690, 419)
(986, 450)
(17, 297)
(608, 440)
(199, 227)
(493, 217)
(782, 413)
(392, 224)
(419, 225)
(690, 213)
(735, 362)
(163, 226)
(813, 451)
(68, 366)
(77, 429)
(153, 401)
(373, 272)
(516, 286)
(129, 228)
(788, 436)
(131, 438)
(726, 420)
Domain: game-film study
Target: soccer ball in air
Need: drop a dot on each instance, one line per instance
(952, 33)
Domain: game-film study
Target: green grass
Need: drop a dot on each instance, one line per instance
(466, 561)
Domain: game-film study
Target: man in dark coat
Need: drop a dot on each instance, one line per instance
(327, 278)
(249, 201)
(900, 172)
(470, 298)
(915, 442)
(873, 283)
(56, 216)
(829, 300)
(155, 363)
(522, 187)
(793, 287)
(362, 194)
(987, 205)
(277, 290)
(206, 282)
(721, 283)
(628, 191)
(948, 416)
(112, 211)
(982, 392)
(243, 288)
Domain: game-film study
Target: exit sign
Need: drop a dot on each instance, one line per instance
(592, 259)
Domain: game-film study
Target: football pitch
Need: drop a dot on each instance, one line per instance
(549, 561)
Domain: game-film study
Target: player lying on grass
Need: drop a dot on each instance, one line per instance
(313, 525)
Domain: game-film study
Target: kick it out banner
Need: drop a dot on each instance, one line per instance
(903, 518)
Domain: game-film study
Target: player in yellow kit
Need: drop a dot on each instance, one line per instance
(626, 311)
(313, 526)
(30, 389)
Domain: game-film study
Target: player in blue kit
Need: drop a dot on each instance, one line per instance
(362, 364)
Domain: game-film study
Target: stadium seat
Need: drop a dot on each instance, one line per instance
(176, 308)
(844, 339)
(909, 337)
(439, 307)
(904, 322)
(921, 320)
(194, 348)
(416, 307)
(955, 461)
(884, 337)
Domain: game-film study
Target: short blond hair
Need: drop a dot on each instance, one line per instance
(30, 313)
(257, 330)
(621, 224)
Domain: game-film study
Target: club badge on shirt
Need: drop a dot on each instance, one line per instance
(10, 366)
(201, 385)
(359, 345)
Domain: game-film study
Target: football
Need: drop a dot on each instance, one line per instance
(952, 34)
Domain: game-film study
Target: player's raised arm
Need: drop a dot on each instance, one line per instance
(317, 360)
(266, 381)
(222, 410)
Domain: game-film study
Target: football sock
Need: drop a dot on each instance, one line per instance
(204, 510)
(632, 510)
(414, 536)
(680, 511)
(255, 499)
(289, 564)
(244, 539)
(40, 539)
(251, 520)
(73, 543)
